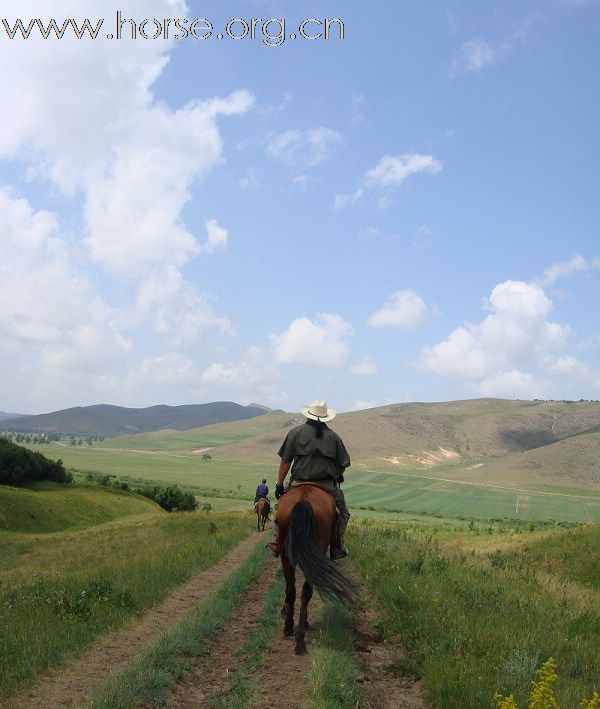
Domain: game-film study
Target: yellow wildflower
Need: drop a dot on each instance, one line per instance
(593, 703)
(542, 690)
(502, 702)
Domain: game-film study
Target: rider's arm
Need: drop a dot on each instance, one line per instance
(284, 468)
(341, 478)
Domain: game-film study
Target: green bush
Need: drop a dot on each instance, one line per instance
(19, 466)
(171, 497)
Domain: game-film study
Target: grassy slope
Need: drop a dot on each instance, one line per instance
(477, 621)
(60, 590)
(49, 507)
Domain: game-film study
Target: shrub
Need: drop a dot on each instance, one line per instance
(171, 497)
(19, 466)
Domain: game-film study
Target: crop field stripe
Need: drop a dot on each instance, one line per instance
(149, 676)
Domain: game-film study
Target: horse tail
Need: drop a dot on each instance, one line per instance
(319, 570)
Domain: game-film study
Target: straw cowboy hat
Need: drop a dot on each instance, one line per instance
(318, 411)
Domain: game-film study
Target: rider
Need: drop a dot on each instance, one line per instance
(319, 457)
(262, 490)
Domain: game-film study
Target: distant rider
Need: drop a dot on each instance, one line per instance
(262, 490)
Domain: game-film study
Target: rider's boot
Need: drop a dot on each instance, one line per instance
(337, 548)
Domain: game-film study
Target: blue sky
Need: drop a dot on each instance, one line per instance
(408, 213)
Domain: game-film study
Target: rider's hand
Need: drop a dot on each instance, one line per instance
(278, 490)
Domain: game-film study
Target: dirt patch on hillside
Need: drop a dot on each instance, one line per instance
(380, 662)
(72, 683)
(426, 458)
(198, 451)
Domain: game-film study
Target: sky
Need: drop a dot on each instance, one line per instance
(409, 212)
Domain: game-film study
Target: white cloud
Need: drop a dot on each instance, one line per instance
(405, 309)
(575, 264)
(362, 404)
(128, 163)
(475, 54)
(391, 172)
(513, 384)
(365, 366)
(321, 342)
(304, 182)
(250, 181)
(309, 148)
(171, 369)
(54, 330)
(217, 237)
(343, 200)
(252, 379)
(502, 353)
(394, 170)
(179, 313)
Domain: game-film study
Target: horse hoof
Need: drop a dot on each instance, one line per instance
(300, 649)
(287, 633)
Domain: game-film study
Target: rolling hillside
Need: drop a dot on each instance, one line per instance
(479, 440)
(106, 420)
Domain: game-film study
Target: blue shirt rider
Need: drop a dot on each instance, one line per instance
(262, 490)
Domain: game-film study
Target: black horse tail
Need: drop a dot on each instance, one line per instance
(319, 570)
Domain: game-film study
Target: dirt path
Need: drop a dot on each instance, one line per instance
(72, 683)
(206, 683)
(209, 675)
(383, 685)
(283, 674)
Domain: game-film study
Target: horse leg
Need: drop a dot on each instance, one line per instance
(290, 596)
(305, 597)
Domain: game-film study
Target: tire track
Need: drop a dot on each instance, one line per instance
(207, 679)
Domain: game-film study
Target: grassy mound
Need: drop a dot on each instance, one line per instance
(50, 507)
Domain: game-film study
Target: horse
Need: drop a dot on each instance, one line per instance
(262, 508)
(306, 518)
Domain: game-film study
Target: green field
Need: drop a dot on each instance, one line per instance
(408, 491)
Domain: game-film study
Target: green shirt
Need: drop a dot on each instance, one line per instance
(314, 458)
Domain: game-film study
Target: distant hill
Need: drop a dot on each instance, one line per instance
(107, 420)
(6, 415)
(476, 440)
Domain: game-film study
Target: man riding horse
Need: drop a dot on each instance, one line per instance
(316, 455)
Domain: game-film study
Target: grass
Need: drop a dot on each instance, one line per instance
(332, 679)
(156, 670)
(50, 507)
(476, 622)
(61, 590)
(409, 491)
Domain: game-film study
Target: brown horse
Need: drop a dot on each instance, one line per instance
(262, 509)
(307, 523)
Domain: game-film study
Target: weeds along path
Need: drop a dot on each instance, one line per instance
(72, 683)
(378, 658)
